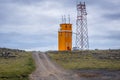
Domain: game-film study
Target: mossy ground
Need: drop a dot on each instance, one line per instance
(17, 68)
(87, 60)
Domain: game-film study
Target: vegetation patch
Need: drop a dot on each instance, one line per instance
(18, 67)
(94, 59)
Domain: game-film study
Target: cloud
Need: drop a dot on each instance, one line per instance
(115, 16)
(114, 35)
(27, 41)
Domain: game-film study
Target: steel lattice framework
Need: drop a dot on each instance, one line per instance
(82, 42)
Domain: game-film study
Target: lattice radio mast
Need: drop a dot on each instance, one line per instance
(82, 42)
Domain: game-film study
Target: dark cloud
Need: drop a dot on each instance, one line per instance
(114, 35)
(108, 35)
(114, 16)
(20, 1)
(16, 40)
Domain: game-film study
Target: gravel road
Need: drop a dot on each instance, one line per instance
(47, 70)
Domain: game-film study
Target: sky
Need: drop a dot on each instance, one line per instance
(34, 24)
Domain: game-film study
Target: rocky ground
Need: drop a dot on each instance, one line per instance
(98, 74)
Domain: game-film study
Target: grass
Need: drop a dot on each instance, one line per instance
(17, 68)
(76, 61)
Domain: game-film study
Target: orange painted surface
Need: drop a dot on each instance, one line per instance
(65, 37)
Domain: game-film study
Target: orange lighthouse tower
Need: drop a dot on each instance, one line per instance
(65, 37)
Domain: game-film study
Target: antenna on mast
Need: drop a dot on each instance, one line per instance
(69, 18)
(64, 19)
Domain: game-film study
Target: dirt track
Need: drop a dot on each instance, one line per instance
(46, 70)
